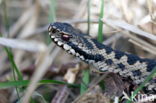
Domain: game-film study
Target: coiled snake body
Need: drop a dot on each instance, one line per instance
(101, 56)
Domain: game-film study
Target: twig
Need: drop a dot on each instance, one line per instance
(61, 95)
(142, 46)
(32, 46)
(21, 21)
(112, 39)
(43, 63)
(126, 26)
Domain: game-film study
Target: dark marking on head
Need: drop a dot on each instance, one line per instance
(87, 43)
(101, 46)
(94, 57)
(121, 66)
(136, 72)
(65, 27)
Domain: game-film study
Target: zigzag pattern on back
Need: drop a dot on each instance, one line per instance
(103, 57)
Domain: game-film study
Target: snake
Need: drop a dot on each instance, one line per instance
(103, 57)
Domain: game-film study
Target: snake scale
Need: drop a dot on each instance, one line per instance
(102, 57)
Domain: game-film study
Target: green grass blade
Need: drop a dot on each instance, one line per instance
(85, 77)
(58, 82)
(52, 16)
(21, 83)
(100, 32)
(9, 84)
(52, 11)
(143, 84)
(11, 58)
(5, 13)
(85, 81)
(100, 29)
(88, 19)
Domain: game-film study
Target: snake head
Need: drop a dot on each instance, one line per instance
(69, 38)
(62, 32)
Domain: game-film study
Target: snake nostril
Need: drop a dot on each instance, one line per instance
(54, 31)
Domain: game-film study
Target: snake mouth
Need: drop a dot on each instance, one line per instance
(66, 47)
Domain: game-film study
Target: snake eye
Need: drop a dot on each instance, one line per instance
(65, 37)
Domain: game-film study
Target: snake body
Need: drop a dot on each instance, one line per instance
(102, 57)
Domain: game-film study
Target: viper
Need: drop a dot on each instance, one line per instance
(102, 57)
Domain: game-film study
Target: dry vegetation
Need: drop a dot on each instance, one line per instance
(129, 25)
